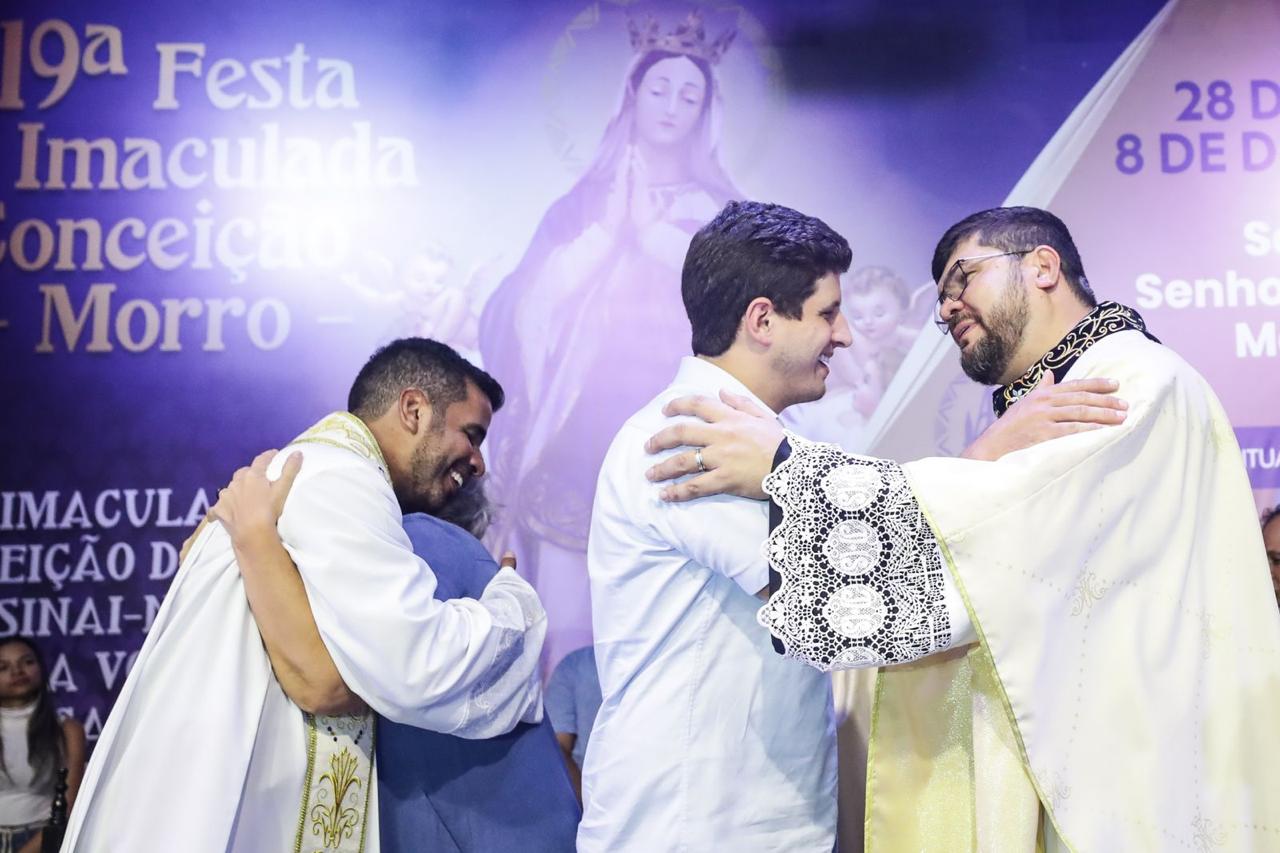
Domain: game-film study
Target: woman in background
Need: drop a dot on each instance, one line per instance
(34, 745)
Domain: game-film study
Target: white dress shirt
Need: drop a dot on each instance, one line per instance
(707, 739)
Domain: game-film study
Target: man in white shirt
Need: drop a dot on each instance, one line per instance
(706, 739)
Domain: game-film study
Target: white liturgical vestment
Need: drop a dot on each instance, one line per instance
(203, 753)
(1128, 670)
(706, 738)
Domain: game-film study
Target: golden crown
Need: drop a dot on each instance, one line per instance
(689, 38)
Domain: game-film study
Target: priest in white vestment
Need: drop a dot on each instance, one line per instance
(1128, 654)
(204, 753)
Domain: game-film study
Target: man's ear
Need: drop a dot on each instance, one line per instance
(1048, 266)
(758, 321)
(414, 410)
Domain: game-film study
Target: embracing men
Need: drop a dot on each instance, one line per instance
(204, 752)
(706, 738)
(1127, 646)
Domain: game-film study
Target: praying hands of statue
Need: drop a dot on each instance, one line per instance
(1050, 411)
(618, 197)
(731, 448)
(630, 200)
(645, 210)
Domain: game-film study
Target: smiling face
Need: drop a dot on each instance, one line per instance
(801, 347)
(20, 675)
(448, 453)
(669, 101)
(990, 318)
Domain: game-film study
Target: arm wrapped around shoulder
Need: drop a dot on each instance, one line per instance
(462, 666)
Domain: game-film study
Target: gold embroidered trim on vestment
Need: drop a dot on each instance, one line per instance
(1106, 318)
(332, 808)
(346, 431)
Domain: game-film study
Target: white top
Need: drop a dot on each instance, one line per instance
(203, 753)
(1131, 644)
(706, 738)
(20, 804)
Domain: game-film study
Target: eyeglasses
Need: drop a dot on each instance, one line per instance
(956, 279)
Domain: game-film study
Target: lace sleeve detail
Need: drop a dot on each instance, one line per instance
(861, 575)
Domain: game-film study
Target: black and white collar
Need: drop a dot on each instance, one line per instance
(1105, 319)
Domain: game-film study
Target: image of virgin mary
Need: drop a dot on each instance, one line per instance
(590, 324)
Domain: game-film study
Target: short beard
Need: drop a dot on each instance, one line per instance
(787, 365)
(986, 360)
(425, 471)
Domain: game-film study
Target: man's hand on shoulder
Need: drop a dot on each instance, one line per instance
(249, 508)
(251, 504)
(1050, 411)
(732, 443)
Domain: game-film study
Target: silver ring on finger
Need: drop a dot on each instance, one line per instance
(697, 457)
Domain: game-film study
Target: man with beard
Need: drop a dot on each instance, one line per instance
(203, 751)
(705, 739)
(1126, 638)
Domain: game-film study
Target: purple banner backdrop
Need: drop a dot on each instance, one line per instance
(1166, 172)
(1186, 160)
(211, 217)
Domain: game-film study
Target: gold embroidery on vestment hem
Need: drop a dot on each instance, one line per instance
(310, 722)
(331, 821)
(347, 770)
(373, 762)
